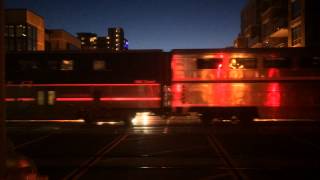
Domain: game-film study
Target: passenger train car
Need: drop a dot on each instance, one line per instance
(85, 84)
(216, 83)
(247, 83)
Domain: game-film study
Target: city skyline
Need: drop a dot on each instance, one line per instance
(147, 24)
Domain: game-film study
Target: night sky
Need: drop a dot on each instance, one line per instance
(148, 24)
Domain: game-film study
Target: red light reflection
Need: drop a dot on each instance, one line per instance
(109, 99)
(273, 95)
(177, 94)
(73, 99)
(273, 72)
(84, 85)
(19, 99)
(131, 99)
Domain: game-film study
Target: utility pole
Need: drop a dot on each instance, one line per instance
(3, 144)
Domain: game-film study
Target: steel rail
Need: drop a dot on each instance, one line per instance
(93, 160)
(226, 158)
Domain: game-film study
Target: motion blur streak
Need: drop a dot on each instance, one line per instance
(81, 85)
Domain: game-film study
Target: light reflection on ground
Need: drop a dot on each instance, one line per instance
(49, 121)
(147, 119)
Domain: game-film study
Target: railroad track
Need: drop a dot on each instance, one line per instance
(228, 161)
(93, 160)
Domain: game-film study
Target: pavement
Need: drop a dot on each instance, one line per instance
(177, 147)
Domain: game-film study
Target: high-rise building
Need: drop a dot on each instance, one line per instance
(58, 39)
(116, 40)
(304, 23)
(24, 30)
(250, 25)
(274, 23)
(279, 23)
(88, 40)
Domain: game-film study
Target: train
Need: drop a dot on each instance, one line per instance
(242, 84)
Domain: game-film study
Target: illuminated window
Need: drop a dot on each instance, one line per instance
(211, 63)
(82, 38)
(11, 31)
(51, 97)
(117, 49)
(93, 39)
(67, 65)
(108, 37)
(21, 31)
(277, 63)
(117, 40)
(40, 98)
(117, 35)
(99, 65)
(243, 63)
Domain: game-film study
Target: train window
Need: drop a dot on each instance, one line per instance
(243, 63)
(51, 97)
(99, 65)
(313, 62)
(40, 98)
(277, 63)
(212, 63)
(67, 65)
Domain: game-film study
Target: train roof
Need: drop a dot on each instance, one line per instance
(174, 51)
(245, 50)
(92, 52)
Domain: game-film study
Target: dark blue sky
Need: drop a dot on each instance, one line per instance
(148, 24)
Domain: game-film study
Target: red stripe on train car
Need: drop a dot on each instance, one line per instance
(82, 85)
(108, 99)
(73, 99)
(131, 99)
(19, 99)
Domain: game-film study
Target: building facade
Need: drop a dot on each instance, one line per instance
(250, 25)
(116, 40)
(279, 23)
(87, 40)
(24, 30)
(304, 23)
(274, 23)
(58, 39)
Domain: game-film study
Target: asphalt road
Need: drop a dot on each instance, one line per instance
(175, 148)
